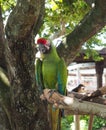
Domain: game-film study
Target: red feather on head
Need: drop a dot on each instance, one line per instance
(42, 41)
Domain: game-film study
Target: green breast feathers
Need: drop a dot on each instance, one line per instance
(51, 72)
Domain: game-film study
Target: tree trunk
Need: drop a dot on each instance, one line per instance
(27, 110)
(23, 108)
(26, 106)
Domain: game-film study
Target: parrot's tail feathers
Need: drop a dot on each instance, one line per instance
(54, 116)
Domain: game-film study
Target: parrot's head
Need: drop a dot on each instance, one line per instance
(43, 45)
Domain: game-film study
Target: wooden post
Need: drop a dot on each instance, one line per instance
(77, 117)
(77, 122)
(99, 72)
(90, 122)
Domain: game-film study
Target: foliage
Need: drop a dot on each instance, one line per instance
(68, 122)
(94, 43)
(62, 17)
(98, 123)
(7, 6)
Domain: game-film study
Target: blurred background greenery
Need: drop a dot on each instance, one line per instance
(68, 122)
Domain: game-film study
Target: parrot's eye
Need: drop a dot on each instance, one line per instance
(42, 48)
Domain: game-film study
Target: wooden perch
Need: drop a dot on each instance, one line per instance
(73, 105)
(91, 96)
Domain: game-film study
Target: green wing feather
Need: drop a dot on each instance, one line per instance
(62, 77)
(38, 74)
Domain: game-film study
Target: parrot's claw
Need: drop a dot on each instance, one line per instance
(51, 92)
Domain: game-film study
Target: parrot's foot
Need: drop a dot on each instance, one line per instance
(51, 92)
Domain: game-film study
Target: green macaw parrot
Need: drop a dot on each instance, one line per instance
(51, 73)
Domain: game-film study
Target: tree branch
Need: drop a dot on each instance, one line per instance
(93, 22)
(74, 105)
(24, 18)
